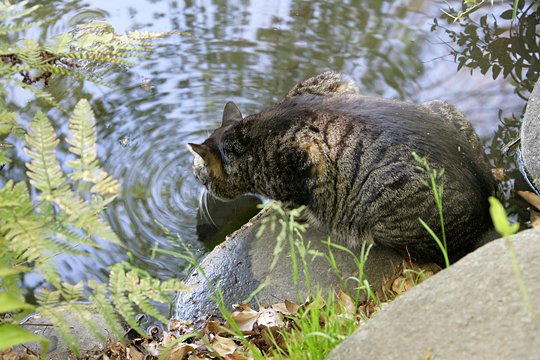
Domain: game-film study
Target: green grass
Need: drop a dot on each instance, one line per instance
(322, 324)
(436, 179)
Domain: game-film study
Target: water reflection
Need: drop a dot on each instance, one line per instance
(251, 52)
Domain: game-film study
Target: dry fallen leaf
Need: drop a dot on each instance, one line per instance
(247, 318)
(530, 197)
(181, 326)
(346, 302)
(213, 327)
(286, 308)
(317, 303)
(179, 351)
(498, 174)
(134, 354)
(224, 346)
(270, 318)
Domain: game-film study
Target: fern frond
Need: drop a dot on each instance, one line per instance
(116, 58)
(43, 95)
(83, 145)
(44, 169)
(100, 299)
(117, 285)
(48, 270)
(14, 195)
(71, 292)
(71, 235)
(60, 70)
(58, 316)
(83, 138)
(86, 316)
(59, 44)
(4, 158)
(80, 214)
(30, 54)
(7, 126)
(151, 35)
(142, 302)
(15, 11)
(7, 121)
(6, 29)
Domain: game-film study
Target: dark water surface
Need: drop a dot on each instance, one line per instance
(251, 52)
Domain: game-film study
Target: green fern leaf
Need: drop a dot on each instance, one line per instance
(43, 95)
(142, 302)
(15, 11)
(31, 55)
(67, 233)
(83, 145)
(83, 138)
(6, 29)
(104, 57)
(44, 169)
(117, 285)
(59, 70)
(7, 121)
(100, 300)
(59, 44)
(57, 315)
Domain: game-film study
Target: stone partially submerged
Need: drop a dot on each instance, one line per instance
(242, 264)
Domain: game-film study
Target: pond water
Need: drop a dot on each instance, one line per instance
(251, 52)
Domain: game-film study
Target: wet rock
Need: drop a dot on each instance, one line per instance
(87, 340)
(473, 310)
(243, 263)
(530, 135)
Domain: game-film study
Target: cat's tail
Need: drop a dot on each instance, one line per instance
(326, 84)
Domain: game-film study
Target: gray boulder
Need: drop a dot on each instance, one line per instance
(472, 310)
(242, 264)
(88, 341)
(530, 135)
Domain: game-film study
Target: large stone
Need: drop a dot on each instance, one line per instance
(87, 340)
(243, 263)
(530, 135)
(472, 310)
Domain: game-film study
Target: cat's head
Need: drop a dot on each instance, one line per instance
(213, 165)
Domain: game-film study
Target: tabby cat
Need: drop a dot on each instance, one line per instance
(348, 159)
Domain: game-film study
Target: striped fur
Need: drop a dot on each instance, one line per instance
(348, 158)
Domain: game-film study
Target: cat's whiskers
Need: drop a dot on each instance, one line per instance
(203, 205)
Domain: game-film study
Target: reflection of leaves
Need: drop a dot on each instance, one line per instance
(487, 46)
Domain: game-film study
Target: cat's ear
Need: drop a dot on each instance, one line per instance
(212, 159)
(202, 150)
(231, 114)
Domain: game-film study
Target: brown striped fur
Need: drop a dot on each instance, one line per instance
(348, 158)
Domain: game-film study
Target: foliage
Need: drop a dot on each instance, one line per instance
(308, 331)
(75, 54)
(468, 6)
(58, 209)
(500, 221)
(435, 182)
(290, 233)
(511, 51)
